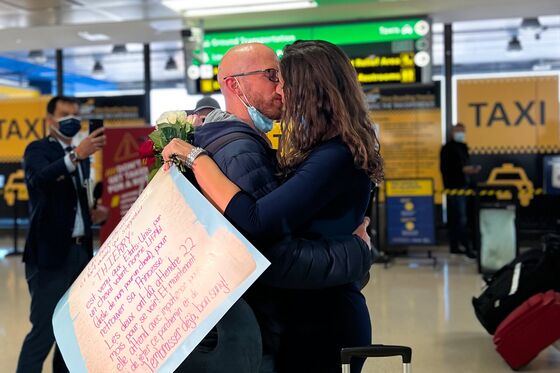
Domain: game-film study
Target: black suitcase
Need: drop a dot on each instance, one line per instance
(347, 354)
(535, 271)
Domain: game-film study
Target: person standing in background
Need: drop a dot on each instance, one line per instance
(59, 240)
(203, 107)
(455, 169)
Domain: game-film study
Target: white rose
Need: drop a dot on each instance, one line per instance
(166, 117)
(181, 116)
(172, 117)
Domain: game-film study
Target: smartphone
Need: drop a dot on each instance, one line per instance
(95, 124)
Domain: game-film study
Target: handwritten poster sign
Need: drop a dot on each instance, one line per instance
(166, 275)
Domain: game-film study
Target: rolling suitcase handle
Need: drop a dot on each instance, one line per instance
(347, 354)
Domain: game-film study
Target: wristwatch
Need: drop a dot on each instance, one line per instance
(195, 152)
(73, 156)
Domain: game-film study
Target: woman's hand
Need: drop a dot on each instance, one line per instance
(175, 149)
(215, 185)
(361, 231)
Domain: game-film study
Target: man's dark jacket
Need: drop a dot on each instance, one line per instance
(250, 163)
(453, 157)
(53, 201)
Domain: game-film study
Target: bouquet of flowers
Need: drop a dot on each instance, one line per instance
(170, 125)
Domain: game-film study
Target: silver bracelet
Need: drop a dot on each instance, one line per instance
(193, 155)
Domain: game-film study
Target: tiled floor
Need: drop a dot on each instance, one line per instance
(411, 303)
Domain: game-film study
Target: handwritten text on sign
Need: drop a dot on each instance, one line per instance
(159, 275)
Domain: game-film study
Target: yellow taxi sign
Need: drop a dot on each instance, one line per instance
(22, 120)
(510, 115)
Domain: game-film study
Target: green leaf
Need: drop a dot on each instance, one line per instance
(153, 173)
(158, 140)
(156, 166)
(159, 161)
(183, 133)
(169, 133)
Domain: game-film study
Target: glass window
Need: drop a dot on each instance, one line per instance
(503, 45)
(27, 73)
(167, 65)
(104, 69)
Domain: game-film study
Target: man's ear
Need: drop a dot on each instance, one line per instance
(232, 85)
(50, 119)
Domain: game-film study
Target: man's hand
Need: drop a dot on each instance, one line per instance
(361, 232)
(99, 214)
(94, 142)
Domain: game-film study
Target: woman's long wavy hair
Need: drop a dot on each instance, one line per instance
(323, 99)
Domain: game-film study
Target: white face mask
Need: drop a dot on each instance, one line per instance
(459, 136)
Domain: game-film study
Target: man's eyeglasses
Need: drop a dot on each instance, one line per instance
(270, 74)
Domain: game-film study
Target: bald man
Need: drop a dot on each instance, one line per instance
(236, 140)
(248, 76)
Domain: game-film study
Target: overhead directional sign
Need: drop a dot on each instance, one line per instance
(382, 51)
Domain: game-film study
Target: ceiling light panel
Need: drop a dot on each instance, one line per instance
(190, 5)
(93, 36)
(220, 7)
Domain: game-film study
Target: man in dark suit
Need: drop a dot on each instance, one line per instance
(59, 241)
(455, 170)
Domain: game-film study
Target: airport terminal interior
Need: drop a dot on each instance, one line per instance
(424, 67)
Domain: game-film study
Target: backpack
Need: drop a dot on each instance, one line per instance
(534, 271)
(214, 147)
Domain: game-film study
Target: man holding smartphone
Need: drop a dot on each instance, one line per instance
(59, 240)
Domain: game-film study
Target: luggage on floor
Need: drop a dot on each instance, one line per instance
(495, 226)
(498, 237)
(534, 271)
(529, 329)
(347, 354)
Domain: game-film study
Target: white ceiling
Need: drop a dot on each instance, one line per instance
(36, 24)
(485, 41)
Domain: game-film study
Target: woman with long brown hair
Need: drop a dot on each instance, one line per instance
(329, 157)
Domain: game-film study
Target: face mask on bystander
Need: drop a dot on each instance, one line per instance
(69, 126)
(459, 136)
